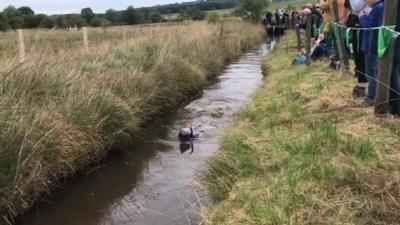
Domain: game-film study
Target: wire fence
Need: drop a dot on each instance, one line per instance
(385, 35)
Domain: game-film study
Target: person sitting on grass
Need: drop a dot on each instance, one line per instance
(369, 46)
(319, 51)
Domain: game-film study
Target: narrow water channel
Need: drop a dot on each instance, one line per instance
(158, 182)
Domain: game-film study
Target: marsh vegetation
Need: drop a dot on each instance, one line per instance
(64, 108)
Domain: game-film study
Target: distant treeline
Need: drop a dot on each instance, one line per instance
(24, 17)
(203, 5)
(286, 1)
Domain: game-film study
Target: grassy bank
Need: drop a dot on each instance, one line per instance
(306, 152)
(62, 110)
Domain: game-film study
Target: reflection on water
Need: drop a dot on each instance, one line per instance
(186, 146)
(157, 182)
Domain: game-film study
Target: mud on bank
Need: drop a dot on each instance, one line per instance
(61, 112)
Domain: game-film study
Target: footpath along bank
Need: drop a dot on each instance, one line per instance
(306, 152)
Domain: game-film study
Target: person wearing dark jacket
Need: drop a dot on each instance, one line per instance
(395, 82)
(268, 17)
(319, 51)
(369, 46)
(317, 19)
(358, 55)
(278, 17)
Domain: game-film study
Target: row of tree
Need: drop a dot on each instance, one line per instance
(25, 17)
(253, 9)
(203, 5)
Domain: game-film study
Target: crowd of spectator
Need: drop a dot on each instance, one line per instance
(365, 18)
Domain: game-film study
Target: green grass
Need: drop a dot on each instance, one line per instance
(304, 152)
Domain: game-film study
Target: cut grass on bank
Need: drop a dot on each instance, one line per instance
(305, 152)
(61, 112)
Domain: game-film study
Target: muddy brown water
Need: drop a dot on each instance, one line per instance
(157, 183)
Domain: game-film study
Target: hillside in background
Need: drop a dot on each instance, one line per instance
(25, 17)
(203, 5)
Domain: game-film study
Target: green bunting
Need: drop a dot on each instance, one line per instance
(315, 30)
(347, 37)
(322, 27)
(384, 40)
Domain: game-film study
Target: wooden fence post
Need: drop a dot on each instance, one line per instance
(386, 63)
(344, 58)
(308, 39)
(221, 32)
(21, 45)
(124, 35)
(292, 20)
(85, 39)
(298, 37)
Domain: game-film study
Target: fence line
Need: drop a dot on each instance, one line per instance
(21, 43)
(387, 27)
(386, 62)
(85, 39)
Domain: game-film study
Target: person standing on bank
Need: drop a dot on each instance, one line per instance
(372, 19)
(356, 6)
(343, 6)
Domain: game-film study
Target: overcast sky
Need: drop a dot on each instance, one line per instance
(75, 6)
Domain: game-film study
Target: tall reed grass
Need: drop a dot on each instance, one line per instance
(63, 109)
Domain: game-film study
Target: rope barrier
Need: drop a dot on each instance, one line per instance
(389, 28)
(385, 36)
(377, 80)
(396, 34)
(388, 86)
